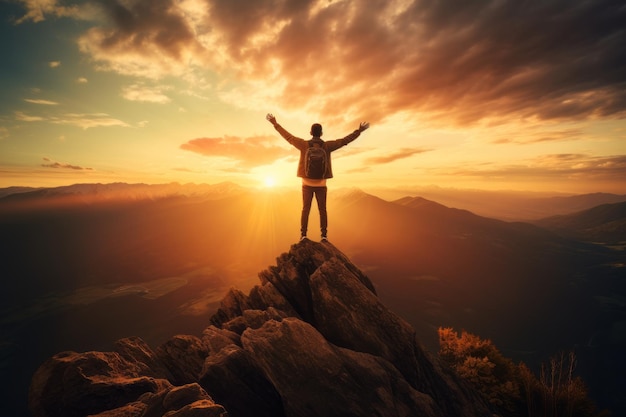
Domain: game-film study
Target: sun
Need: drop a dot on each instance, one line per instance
(269, 182)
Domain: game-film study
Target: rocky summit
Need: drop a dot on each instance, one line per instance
(313, 339)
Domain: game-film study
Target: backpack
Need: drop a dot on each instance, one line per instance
(315, 162)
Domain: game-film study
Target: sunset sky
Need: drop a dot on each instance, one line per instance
(482, 94)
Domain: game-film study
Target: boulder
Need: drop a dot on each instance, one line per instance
(236, 380)
(317, 378)
(183, 356)
(78, 384)
(185, 401)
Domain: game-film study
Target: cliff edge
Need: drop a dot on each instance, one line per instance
(312, 339)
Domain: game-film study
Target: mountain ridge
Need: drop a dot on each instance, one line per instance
(313, 339)
(515, 283)
(504, 205)
(604, 223)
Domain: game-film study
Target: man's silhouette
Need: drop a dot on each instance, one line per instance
(315, 168)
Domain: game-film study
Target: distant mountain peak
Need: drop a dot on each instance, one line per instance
(119, 191)
(418, 202)
(313, 339)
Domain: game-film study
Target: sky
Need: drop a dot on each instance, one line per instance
(479, 94)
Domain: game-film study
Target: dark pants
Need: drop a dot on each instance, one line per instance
(307, 199)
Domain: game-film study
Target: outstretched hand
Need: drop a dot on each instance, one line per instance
(270, 117)
(363, 126)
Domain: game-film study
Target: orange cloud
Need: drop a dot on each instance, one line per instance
(59, 165)
(246, 152)
(401, 154)
(541, 136)
(555, 166)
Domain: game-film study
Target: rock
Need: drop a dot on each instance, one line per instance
(178, 397)
(316, 378)
(253, 319)
(136, 409)
(78, 384)
(187, 400)
(232, 306)
(235, 380)
(351, 316)
(266, 295)
(291, 275)
(183, 356)
(202, 408)
(135, 350)
(215, 339)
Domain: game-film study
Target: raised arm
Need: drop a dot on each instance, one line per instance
(338, 143)
(295, 141)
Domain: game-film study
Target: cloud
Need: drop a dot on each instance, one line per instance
(581, 167)
(145, 38)
(58, 165)
(54, 64)
(530, 137)
(37, 10)
(484, 60)
(245, 152)
(401, 154)
(23, 117)
(39, 101)
(84, 121)
(138, 92)
(82, 80)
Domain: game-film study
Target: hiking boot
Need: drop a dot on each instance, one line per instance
(303, 237)
(324, 238)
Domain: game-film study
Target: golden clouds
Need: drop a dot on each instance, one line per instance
(245, 153)
(39, 10)
(563, 167)
(138, 92)
(84, 121)
(400, 154)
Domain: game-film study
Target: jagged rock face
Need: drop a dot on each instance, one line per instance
(312, 340)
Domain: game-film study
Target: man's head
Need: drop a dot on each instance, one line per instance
(316, 130)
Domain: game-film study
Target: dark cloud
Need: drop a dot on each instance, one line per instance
(150, 38)
(365, 59)
(247, 153)
(558, 59)
(149, 26)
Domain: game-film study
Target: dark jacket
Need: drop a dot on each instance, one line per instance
(328, 146)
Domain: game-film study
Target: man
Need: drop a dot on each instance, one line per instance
(315, 168)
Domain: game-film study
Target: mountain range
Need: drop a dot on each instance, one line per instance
(82, 260)
(605, 223)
